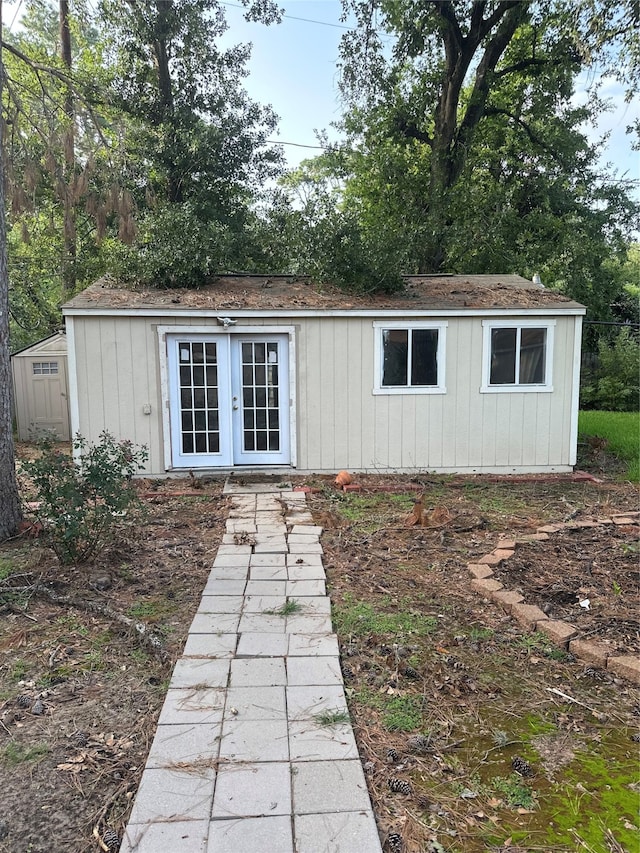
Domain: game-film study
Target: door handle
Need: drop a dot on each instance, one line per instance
(235, 408)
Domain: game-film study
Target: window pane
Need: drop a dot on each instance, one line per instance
(261, 440)
(532, 356)
(187, 442)
(210, 351)
(187, 421)
(198, 353)
(503, 357)
(274, 441)
(394, 357)
(424, 357)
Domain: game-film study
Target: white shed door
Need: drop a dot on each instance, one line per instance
(229, 400)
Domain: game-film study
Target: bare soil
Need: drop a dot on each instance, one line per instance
(444, 690)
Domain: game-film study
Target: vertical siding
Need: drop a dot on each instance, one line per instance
(340, 422)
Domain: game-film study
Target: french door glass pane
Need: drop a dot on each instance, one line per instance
(199, 413)
(260, 415)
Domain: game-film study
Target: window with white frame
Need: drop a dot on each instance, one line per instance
(517, 355)
(45, 368)
(409, 358)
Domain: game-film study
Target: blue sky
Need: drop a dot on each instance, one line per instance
(294, 68)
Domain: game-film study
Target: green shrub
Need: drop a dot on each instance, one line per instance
(174, 248)
(614, 385)
(82, 500)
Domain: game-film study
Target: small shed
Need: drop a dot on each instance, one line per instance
(455, 373)
(40, 388)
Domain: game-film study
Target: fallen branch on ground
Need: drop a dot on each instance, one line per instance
(148, 639)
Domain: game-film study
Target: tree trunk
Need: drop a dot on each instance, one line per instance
(10, 513)
(68, 170)
(453, 132)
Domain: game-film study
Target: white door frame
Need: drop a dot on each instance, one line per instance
(195, 331)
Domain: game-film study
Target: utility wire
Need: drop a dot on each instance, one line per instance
(295, 18)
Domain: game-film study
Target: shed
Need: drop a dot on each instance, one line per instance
(40, 393)
(452, 374)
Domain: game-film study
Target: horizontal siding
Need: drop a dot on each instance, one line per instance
(340, 422)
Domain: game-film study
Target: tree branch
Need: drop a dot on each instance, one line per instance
(490, 111)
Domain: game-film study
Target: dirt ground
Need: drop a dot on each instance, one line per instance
(474, 735)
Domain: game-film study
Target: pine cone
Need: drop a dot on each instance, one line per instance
(521, 766)
(399, 786)
(394, 843)
(392, 755)
(636, 737)
(79, 738)
(419, 744)
(410, 672)
(24, 701)
(111, 839)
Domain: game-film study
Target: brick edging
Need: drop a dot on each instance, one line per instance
(529, 616)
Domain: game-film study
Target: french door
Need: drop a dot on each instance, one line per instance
(228, 399)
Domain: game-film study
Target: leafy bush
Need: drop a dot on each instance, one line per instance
(82, 499)
(614, 385)
(174, 248)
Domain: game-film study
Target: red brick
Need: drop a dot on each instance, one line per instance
(503, 553)
(479, 571)
(527, 615)
(534, 537)
(590, 652)
(558, 632)
(352, 487)
(485, 585)
(626, 666)
(506, 598)
(490, 560)
(550, 528)
(507, 544)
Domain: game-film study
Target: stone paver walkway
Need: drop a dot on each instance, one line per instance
(254, 752)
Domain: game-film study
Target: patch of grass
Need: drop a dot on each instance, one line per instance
(360, 619)
(493, 499)
(72, 624)
(478, 634)
(7, 568)
(514, 791)
(538, 644)
(154, 609)
(15, 753)
(399, 713)
(18, 671)
(290, 607)
(332, 718)
(622, 432)
(403, 714)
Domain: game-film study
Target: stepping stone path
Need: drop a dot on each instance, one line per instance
(253, 751)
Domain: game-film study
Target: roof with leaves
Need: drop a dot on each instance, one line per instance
(282, 293)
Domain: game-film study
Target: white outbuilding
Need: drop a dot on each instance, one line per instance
(40, 388)
(469, 374)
